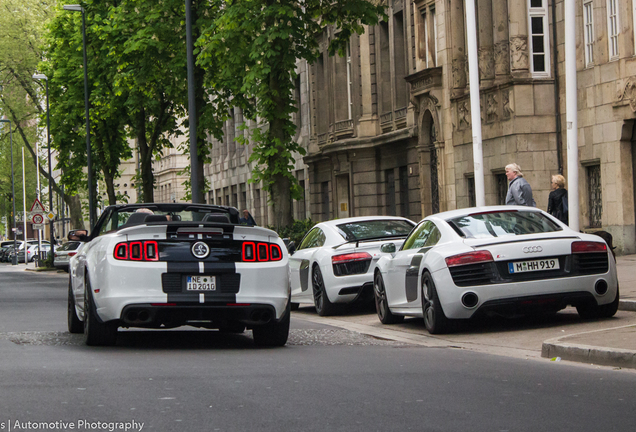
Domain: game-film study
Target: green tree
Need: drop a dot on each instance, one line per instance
(250, 51)
(21, 32)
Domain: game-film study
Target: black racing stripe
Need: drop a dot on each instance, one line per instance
(411, 278)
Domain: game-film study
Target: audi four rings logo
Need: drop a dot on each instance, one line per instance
(532, 249)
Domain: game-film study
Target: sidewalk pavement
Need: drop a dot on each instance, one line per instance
(609, 347)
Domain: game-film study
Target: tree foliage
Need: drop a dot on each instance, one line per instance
(250, 53)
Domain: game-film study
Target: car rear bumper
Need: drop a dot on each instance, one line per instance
(209, 316)
(521, 297)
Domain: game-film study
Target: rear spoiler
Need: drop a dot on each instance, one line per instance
(372, 239)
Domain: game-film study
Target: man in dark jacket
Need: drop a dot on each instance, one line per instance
(247, 219)
(519, 190)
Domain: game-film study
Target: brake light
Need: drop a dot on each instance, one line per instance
(70, 254)
(135, 251)
(261, 252)
(588, 247)
(469, 258)
(350, 257)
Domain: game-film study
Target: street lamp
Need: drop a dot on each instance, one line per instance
(91, 205)
(14, 260)
(48, 141)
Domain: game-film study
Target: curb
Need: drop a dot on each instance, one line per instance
(623, 358)
(627, 305)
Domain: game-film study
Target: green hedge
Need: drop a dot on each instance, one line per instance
(296, 231)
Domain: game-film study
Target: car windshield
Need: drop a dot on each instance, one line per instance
(374, 229)
(503, 223)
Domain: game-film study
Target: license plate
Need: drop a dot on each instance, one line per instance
(534, 265)
(201, 283)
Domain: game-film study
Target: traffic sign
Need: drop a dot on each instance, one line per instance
(37, 207)
(50, 215)
(37, 226)
(37, 219)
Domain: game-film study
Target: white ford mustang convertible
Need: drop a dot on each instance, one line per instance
(493, 260)
(168, 265)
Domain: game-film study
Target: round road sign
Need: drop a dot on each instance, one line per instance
(38, 219)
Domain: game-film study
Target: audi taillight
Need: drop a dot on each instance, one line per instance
(70, 254)
(135, 251)
(350, 257)
(261, 252)
(469, 258)
(588, 247)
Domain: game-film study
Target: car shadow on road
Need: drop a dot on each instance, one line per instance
(184, 340)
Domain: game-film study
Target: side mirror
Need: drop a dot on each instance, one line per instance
(388, 248)
(78, 235)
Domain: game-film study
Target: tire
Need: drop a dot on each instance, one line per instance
(74, 324)
(273, 334)
(96, 333)
(381, 304)
(593, 311)
(434, 318)
(323, 305)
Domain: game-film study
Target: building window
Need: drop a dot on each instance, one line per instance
(502, 188)
(612, 28)
(324, 195)
(390, 192)
(594, 196)
(404, 192)
(588, 31)
(470, 183)
(539, 42)
(302, 214)
(427, 43)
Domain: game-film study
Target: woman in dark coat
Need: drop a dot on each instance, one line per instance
(558, 198)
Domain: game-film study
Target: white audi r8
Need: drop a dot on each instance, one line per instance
(334, 261)
(169, 265)
(505, 260)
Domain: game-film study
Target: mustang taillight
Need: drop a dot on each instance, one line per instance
(588, 247)
(136, 251)
(261, 252)
(350, 257)
(469, 258)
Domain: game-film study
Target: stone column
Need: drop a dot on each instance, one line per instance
(368, 123)
(459, 61)
(486, 56)
(518, 36)
(500, 39)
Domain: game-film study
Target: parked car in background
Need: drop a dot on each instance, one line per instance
(4, 252)
(334, 261)
(176, 264)
(63, 253)
(503, 260)
(32, 251)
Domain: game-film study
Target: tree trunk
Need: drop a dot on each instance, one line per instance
(110, 187)
(145, 156)
(281, 189)
(200, 102)
(75, 206)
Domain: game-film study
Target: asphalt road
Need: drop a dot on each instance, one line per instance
(325, 379)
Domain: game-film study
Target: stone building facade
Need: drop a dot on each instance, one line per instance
(390, 128)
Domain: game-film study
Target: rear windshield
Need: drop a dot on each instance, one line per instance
(503, 223)
(374, 229)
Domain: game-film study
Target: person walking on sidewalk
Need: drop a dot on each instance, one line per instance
(519, 190)
(558, 199)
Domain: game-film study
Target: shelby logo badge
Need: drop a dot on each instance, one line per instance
(200, 250)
